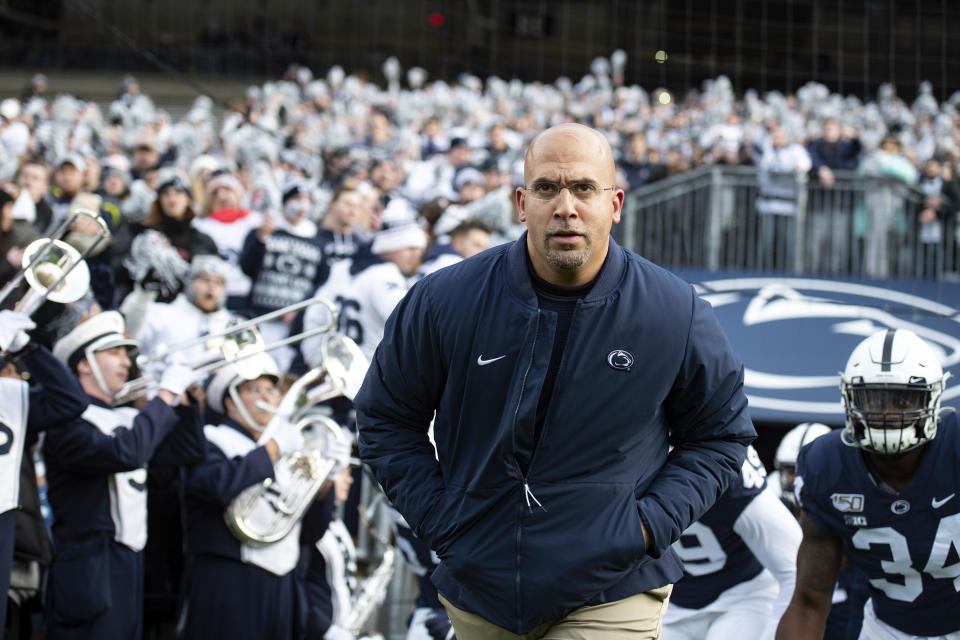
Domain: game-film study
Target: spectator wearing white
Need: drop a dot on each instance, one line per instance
(228, 223)
(198, 311)
(15, 135)
(782, 171)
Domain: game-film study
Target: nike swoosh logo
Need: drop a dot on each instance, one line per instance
(483, 363)
(936, 504)
(142, 486)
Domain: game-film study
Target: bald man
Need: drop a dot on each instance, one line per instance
(557, 370)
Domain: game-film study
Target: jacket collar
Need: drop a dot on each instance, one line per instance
(519, 277)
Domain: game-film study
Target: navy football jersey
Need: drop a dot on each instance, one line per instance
(714, 557)
(907, 544)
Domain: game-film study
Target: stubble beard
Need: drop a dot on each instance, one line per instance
(566, 259)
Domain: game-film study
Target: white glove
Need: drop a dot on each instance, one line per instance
(177, 377)
(288, 438)
(339, 450)
(13, 328)
(337, 633)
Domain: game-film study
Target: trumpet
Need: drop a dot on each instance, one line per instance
(240, 342)
(263, 513)
(53, 269)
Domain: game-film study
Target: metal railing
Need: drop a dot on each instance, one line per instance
(740, 218)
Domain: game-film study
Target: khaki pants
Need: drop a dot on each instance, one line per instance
(635, 618)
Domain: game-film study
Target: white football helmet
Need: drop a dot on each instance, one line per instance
(891, 391)
(788, 450)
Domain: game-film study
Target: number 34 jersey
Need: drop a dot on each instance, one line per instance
(906, 543)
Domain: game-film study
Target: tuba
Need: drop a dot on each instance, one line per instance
(267, 512)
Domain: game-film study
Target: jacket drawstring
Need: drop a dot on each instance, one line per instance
(527, 493)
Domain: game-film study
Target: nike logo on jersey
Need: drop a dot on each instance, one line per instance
(483, 363)
(139, 486)
(936, 504)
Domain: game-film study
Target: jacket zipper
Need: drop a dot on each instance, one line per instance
(529, 498)
(516, 412)
(533, 455)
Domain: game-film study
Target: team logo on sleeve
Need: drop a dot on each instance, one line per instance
(848, 502)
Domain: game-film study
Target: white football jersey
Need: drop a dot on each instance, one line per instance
(364, 301)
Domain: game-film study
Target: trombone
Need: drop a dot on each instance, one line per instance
(143, 360)
(53, 269)
(240, 342)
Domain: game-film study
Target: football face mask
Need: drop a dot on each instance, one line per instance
(891, 393)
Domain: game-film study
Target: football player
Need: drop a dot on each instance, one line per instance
(738, 564)
(883, 492)
(850, 592)
(785, 460)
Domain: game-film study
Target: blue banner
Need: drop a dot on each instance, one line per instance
(794, 335)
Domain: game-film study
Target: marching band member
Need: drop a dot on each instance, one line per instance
(236, 590)
(52, 401)
(97, 483)
(197, 311)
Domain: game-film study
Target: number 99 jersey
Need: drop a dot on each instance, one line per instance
(715, 556)
(908, 544)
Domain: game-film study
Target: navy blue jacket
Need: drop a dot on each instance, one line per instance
(56, 397)
(470, 343)
(80, 460)
(842, 154)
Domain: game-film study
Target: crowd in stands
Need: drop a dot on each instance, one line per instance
(434, 152)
